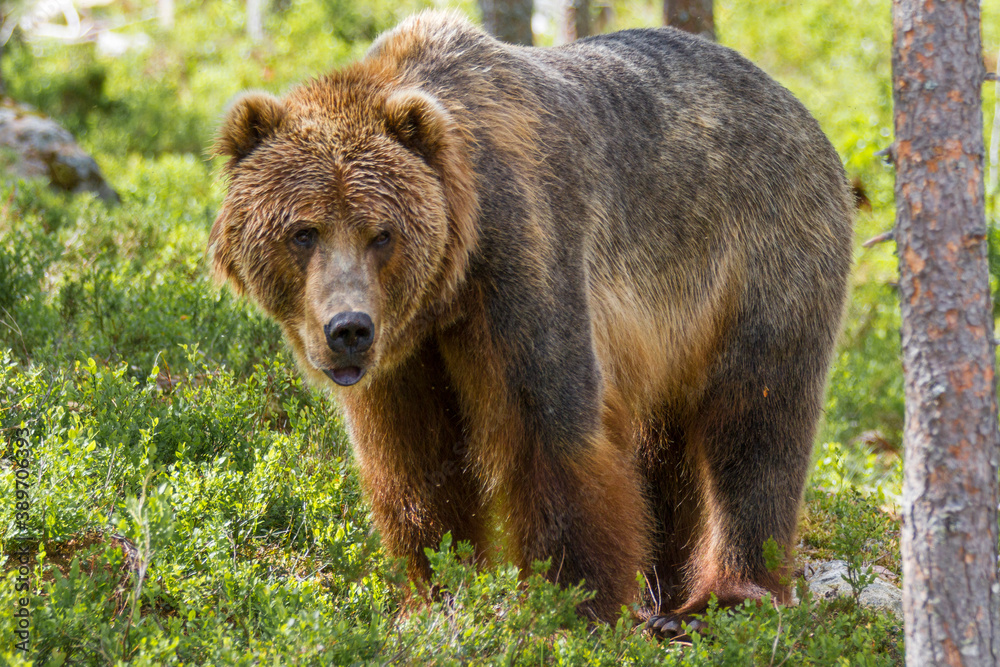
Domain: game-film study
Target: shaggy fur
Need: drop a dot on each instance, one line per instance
(615, 277)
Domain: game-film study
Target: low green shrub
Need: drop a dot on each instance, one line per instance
(193, 501)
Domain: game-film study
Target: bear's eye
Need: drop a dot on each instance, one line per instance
(381, 240)
(305, 238)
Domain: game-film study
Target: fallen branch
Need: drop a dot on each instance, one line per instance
(881, 238)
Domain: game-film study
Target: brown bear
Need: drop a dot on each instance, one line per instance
(591, 291)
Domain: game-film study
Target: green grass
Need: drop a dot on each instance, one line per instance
(164, 412)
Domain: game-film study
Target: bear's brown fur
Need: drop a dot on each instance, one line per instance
(591, 291)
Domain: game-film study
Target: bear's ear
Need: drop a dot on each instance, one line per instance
(423, 125)
(250, 120)
(419, 122)
(220, 252)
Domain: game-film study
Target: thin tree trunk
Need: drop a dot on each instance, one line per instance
(949, 537)
(991, 187)
(165, 12)
(508, 20)
(255, 21)
(4, 36)
(577, 19)
(694, 16)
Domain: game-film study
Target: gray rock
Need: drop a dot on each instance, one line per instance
(38, 147)
(826, 580)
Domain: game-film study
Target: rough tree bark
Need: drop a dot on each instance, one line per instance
(694, 16)
(952, 446)
(508, 20)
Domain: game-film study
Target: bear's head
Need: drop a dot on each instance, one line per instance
(349, 218)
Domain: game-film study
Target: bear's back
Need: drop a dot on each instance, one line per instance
(695, 127)
(670, 175)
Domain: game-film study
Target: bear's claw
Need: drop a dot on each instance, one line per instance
(674, 627)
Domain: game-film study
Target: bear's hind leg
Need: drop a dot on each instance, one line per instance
(753, 442)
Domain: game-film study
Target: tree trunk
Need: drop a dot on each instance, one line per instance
(991, 184)
(165, 12)
(5, 15)
(255, 20)
(508, 20)
(577, 18)
(694, 16)
(952, 446)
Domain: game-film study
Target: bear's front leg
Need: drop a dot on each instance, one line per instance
(567, 488)
(584, 511)
(413, 460)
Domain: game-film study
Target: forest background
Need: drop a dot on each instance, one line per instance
(192, 501)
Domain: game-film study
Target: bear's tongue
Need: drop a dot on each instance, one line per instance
(345, 376)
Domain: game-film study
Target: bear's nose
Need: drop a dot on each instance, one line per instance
(349, 332)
